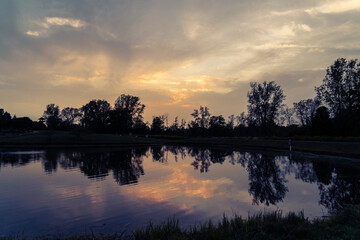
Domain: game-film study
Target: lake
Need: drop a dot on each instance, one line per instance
(66, 191)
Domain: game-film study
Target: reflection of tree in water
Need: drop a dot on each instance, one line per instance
(94, 164)
(204, 157)
(302, 169)
(50, 161)
(338, 185)
(18, 159)
(343, 189)
(266, 179)
(126, 165)
(323, 171)
(158, 154)
(66, 160)
(176, 150)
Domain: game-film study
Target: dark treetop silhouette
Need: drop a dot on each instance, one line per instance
(336, 106)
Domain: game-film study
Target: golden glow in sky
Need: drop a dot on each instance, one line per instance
(174, 55)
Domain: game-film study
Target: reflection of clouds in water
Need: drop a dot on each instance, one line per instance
(179, 184)
(242, 196)
(272, 178)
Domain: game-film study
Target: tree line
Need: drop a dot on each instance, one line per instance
(334, 111)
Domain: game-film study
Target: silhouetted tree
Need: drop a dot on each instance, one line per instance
(174, 128)
(201, 121)
(201, 117)
(140, 127)
(5, 119)
(241, 119)
(120, 121)
(157, 125)
(231, 122)
(23, 123)
(341, 86)
(321, 123)
(70, 116)
(287, 116)
(340, 91)
(96, 115)
(52, 116)
(305, 110)
(130, 106)
(265, 101)
(217, 126)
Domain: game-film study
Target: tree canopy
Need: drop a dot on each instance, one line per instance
(96, 115)
(340, 89)
(265, 101)
(335, 110)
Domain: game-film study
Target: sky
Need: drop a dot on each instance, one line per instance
(174, 54)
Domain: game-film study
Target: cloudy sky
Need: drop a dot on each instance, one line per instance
(174, 54)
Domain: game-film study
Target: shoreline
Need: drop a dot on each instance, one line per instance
(47, 140)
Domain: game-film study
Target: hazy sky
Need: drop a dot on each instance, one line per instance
(174, 54)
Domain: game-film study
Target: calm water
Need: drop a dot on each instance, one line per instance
(68, 191)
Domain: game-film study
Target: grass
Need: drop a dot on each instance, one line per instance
(333, 146)
(342, 225)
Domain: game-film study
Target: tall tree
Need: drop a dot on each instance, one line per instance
(174, 128)
(52, 116)
(287, 116)
(340, 92)
(5, 119)
(96, 115)
(305, 110)
(231, 121)
(217, 126)
(131, 106)
(158, 125)
(242, 119)
(340, 89)
(265, 101)
(321, 123)
(70, 116)
(201, 117)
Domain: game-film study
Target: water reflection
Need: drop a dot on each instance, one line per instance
(267, 181)
(268, 173)
(343, 189)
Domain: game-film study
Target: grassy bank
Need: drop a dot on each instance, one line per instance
(343, 225)
(45, 139)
